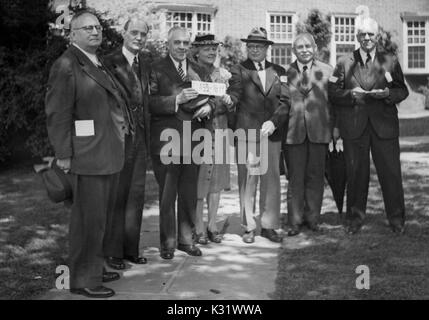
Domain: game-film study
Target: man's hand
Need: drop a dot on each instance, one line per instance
(335, 134)
(226, 99)
(203, 112)
(64, 164)
(268, 128)
(186, 95)
(380, 94)
(358, 93)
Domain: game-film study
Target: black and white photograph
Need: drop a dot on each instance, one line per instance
(216, 155)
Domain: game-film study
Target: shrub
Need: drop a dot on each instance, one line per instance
(319, 26)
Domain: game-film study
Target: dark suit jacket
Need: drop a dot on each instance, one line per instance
(310, 112)
(253, 105)
(165, 85)
(78, 90)
(353, 116)
(120, 68)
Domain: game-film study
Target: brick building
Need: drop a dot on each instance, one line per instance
(408, 21)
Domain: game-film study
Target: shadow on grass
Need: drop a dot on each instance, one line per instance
(33, 234)
(322, 266)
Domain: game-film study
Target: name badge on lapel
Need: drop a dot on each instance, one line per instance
(84, 128)
(388, 76)
(333, 79)
(283, 79)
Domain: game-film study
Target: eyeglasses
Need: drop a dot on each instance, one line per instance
(256, 47)
(89, 29)
(364, 34)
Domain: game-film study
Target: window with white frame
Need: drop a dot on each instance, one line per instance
(281, 31)
(197, 23)
(416, 42)
(344, 36)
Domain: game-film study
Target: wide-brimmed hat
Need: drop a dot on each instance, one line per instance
(258, 35)
(205, 40)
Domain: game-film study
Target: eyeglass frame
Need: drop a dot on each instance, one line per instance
(98, 28)
(258, 47)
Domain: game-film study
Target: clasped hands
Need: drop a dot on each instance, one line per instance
(189, 94)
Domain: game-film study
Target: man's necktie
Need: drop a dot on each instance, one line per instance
(305, 76)
(260, 66)
(181, 72)
(368, 59)
(135, 66)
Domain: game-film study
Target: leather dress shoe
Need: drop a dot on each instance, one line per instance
(97, 292)
(313, 227)
(214, 236)
(136, 260)
(294, 231)
(353, 228)
(190, 249)
(115, 263)
(201, 238)
(249, 237)
(110, 276)
(397, 228)
(271, 235)
(167, 254)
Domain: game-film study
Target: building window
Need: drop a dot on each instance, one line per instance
(281, 54)
(344, 35)
(281, 31)
(416, 44)
(196, 23)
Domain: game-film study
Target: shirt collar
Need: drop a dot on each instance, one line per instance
(257, 64)
(363, 54)
(91, 56)
(301, 65)
(129, 55)
(176, 63)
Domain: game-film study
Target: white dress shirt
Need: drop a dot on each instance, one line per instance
(91, 56)
(301, 65)
(363, 55)
(262, 74)
(129, 56)
(184, 65)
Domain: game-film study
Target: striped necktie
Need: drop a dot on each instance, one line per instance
(181, 72)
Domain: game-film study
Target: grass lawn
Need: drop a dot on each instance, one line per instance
(33, 234)
(33, 242)
(322, 266)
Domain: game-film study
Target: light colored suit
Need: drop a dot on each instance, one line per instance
(309, 131)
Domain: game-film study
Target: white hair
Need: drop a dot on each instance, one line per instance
(367, 23)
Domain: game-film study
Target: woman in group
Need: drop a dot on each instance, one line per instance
(213, 178)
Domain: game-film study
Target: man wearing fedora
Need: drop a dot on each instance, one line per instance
(131, 68)
(260, 95)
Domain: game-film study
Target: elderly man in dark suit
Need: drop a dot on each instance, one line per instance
(259, 92)
(308, 134)
(131, 70)
(170, 112)
(87, 120)
(365, 87)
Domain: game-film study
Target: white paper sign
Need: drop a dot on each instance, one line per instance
(84, 128)
(283, 79)
(388, 77)
(209, 88)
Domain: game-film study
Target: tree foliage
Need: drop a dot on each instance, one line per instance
(319, 25)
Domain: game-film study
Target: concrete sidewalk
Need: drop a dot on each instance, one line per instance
(230, 270)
